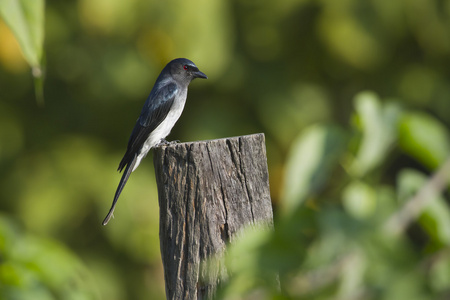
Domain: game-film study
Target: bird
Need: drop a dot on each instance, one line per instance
(160, 112)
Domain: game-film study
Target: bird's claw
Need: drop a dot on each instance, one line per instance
(164, 142)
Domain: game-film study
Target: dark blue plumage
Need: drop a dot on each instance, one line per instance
(162, 109)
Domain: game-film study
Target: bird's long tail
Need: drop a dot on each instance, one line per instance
(122, 183)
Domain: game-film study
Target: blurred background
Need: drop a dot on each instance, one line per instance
(353, 98)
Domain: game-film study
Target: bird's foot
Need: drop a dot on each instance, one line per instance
(164, 142)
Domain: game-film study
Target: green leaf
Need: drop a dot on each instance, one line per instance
(379, 126)
(312, 156)
(34, 267)
(425, 138)
(359, 199)
(439, 277)
(26, 20)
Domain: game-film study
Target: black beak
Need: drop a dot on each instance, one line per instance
(200, 74)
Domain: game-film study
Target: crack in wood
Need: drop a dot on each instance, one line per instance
(224, 199)
(246, 184)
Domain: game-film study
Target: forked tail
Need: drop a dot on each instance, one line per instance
(122, 183)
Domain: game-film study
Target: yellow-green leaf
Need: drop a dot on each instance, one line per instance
(26, 20)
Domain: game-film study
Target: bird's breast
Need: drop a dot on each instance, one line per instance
(163, 129)
(167, 124)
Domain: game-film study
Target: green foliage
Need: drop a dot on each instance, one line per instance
(26, 20)
(359, 199)
(435, 219)
(313, 155)
(379, 131)
(39, 268)
(314, 76)
(424, 138)
(336, 246)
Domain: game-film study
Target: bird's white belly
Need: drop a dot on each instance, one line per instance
(162, 130)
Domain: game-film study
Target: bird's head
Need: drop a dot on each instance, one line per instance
(184, 71)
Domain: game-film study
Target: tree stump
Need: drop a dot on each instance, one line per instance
(207, 192)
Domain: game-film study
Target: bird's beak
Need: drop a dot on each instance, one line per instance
(200, 74)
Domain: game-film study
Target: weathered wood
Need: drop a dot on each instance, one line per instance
(208, 191)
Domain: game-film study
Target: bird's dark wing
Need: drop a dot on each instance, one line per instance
(155, 110)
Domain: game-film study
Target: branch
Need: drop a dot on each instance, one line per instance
(400, 220)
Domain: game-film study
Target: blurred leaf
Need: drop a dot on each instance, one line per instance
(435, 218)
(259, 257)
(406, 285)
(246, 260)
(379, 127)
(392, 271)
(26, 20)
(359, 199)
(440, 272)
(353, 271)
(32, 267)
(312, 156)
(386, 203)
(425, 138)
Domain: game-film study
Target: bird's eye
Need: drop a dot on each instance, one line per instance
(185, 67)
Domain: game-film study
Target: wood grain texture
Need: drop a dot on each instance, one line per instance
(208, 191)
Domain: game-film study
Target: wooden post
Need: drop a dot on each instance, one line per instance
(208, 191)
